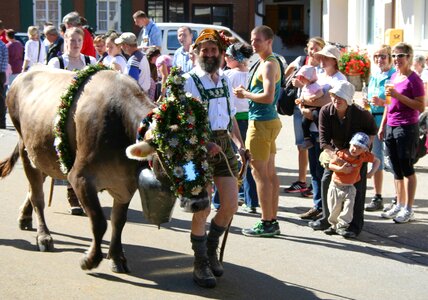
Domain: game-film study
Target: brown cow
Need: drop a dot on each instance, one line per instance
(102, 122)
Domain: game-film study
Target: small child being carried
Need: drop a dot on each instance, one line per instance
(309, 93)
(341, 193)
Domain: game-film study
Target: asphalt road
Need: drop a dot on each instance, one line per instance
(387, 261)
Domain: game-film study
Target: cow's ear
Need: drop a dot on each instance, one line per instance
(140, 151)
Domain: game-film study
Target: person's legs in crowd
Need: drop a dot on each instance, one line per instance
(261, 142)
(299, 186)
(316, 170)
(249, 190)
(357, 223)
(2, 100)
(376, 202)
(307, 143)
(401, 143)
(322, 223)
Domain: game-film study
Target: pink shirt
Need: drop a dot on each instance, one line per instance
(398, 113)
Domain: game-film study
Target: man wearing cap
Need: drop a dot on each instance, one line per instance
(150, 34)
(338, 122)
(182, 56)
(263, 129)
(138, 65)
(213, 88)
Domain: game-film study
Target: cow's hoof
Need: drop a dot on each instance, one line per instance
(89, 264)
(119, 266)
(44, 243)
(26, 224)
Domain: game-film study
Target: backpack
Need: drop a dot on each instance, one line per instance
(61, 61)
(289, 93)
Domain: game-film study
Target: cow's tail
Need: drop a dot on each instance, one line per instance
(6, 165)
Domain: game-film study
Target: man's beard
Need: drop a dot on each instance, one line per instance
(209, 64)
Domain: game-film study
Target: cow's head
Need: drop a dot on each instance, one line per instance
(177, 131)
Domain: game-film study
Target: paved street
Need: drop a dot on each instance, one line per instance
(387, 261)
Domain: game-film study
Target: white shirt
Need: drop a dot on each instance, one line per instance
(217, 113)
(144, 79)
(32, 52)
(238, 78)
(118, 59)
(54, 62)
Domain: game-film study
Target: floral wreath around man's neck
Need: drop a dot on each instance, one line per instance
(179, 131)
(65, 154)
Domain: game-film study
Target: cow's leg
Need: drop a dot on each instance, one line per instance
(87, 194)
(25, 218)
(36, 196)
(117, 257)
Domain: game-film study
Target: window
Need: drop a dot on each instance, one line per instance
(108, 15)
(213, 14)
(47, 11)
(371, 21)
(167, 10)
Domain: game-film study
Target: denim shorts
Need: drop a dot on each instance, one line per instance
(297, 122)
(377, 151)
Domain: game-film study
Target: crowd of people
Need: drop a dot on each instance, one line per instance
(334, 134)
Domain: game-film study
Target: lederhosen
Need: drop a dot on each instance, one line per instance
(220, 137)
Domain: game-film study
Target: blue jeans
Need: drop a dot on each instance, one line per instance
(248, 189)
(316, 170)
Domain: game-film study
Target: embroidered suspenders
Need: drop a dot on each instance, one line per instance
(208, 94)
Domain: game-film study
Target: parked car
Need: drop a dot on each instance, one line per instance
(169, 34)
(170, 42)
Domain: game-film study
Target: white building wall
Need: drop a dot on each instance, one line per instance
(335, 21)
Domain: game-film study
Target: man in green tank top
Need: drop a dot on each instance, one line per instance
(264, 127)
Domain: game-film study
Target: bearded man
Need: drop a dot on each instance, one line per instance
(212, 88)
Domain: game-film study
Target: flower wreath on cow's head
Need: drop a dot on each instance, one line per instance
(178, 129)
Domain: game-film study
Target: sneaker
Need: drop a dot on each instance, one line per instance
(375, 204)
(310, 214)
(392, 213)
(389, 206)
(296, 187)
(276, 227)
(308, 193)
(404, 216)
(260, 229)
(249, 209)
(330, 231)
(307, 144)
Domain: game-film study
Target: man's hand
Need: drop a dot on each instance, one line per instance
(213, 149)
(240, 92)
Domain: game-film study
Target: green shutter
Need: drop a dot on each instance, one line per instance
(26, 14)
(66, 7)
(91, 13)
(126, 16)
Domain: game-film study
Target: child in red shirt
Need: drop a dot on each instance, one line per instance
(341, 193)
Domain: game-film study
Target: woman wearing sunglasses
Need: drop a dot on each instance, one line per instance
(376, 99)
(400, 129)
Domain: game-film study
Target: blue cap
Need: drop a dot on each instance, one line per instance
(361, 139)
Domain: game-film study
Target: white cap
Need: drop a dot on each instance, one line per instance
(344, 90)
